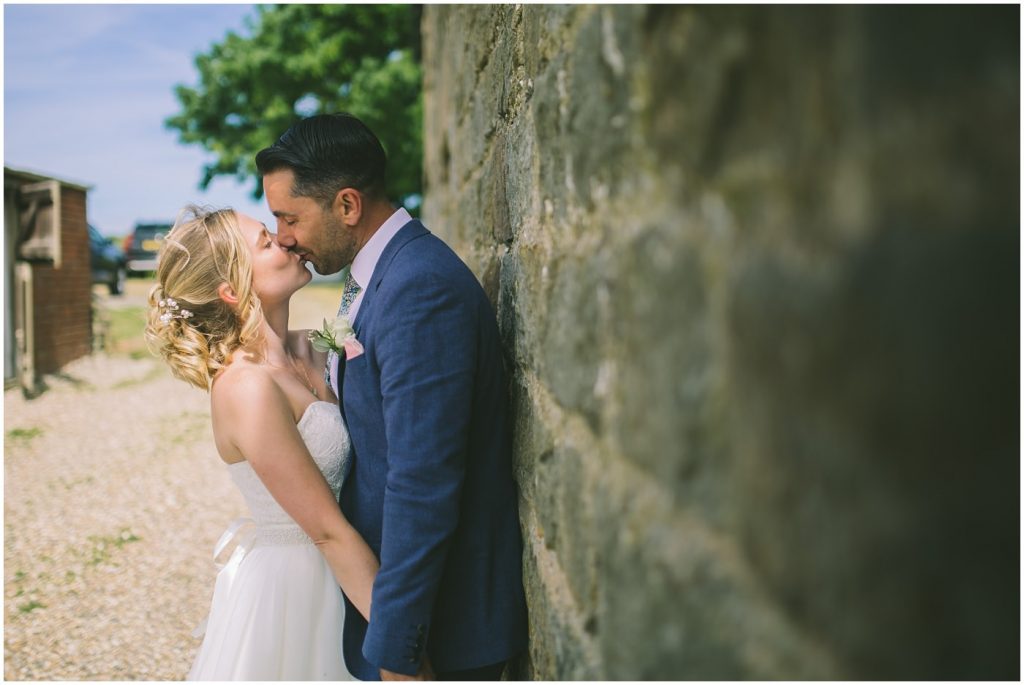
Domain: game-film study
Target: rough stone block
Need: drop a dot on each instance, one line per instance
(506, 307)
(598, 91)
(663, 380)
(520, 189)
(575, 510)
(572, 351)
(561, 655)
(550, 118)
(532, 441)
(687, 591)
(533, 281)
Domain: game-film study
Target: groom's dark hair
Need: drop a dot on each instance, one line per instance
(328, 152)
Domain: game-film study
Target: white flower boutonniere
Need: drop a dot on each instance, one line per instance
(338, 337)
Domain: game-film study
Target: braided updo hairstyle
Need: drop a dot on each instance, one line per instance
(189, 325)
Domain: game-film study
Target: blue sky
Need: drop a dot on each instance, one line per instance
(86, 92)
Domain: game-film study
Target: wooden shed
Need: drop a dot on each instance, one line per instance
(47, 277)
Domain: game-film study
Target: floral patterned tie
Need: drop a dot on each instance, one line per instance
(348, 295)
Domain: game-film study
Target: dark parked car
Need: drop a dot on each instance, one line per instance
(108, 262)
(142, 246)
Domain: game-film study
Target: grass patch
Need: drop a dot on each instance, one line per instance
(126, 332)
(103, 545)
(71, 483)
(157, 371)
(24, 434)
(29, 607)
(184, 428)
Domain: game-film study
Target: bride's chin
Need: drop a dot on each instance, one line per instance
(301, 281)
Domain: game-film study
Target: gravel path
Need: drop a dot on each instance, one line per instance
(113, 499)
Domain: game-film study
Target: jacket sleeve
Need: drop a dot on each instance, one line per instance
(426, 352)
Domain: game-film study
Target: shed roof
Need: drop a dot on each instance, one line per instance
(35, 176)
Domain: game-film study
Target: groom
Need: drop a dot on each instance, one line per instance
(431, 487)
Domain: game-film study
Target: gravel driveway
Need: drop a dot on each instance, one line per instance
(113, 499)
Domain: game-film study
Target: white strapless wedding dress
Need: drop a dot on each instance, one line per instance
(277, 612)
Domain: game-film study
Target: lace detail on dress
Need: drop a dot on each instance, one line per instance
(327, 440)
(287, 534)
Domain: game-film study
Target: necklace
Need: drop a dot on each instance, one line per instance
(304, 379)
(305, 375)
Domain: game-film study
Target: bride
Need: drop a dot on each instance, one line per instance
(219, 318)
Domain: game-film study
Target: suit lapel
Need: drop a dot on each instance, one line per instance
(412, 229)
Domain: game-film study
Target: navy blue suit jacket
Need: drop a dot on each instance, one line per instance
(431, 488)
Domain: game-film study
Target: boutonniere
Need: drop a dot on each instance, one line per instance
(337, 336)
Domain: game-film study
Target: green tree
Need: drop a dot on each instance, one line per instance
(301, 60)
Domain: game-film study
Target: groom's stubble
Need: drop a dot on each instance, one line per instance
(337, 245)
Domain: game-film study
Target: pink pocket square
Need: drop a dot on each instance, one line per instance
(353, 348)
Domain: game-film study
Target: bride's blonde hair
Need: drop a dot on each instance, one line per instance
(189, 325)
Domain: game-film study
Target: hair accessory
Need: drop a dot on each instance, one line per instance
(173, 311)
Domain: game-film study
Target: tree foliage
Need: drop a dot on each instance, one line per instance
(301, 60)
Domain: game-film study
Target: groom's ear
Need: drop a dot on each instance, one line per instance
(348, 204)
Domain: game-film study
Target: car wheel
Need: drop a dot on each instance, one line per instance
(116, 286)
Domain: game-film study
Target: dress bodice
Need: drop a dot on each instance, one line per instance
(326, 438)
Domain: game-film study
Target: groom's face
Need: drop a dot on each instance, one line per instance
(306, 228)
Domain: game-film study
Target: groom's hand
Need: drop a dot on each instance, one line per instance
(385, 674)
(426, 673)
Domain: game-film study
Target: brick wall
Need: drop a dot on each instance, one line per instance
(756, 270)
(63, 297)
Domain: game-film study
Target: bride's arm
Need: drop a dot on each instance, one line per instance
(260, 425)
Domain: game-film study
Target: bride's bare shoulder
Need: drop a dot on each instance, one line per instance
(243, 383)
(243, 398)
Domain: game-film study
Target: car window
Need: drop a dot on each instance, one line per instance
(149, 230)
(97, 240)
(149, 237)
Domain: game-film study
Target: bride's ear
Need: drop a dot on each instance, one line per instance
(227, 293)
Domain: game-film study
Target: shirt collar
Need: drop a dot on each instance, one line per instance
(367, 258)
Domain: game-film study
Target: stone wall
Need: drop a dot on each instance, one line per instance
(756, 269)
